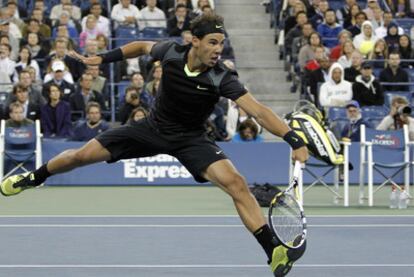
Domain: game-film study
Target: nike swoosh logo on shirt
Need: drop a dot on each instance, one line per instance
(219, 152)
(201, 88)
(219, 26)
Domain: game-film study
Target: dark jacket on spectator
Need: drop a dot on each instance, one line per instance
(401, 76)
(314, 78)
(355, 30)
(84, 132)
(126, 109)
(367, 93)
(173, 30)
(351, 73)
(67, 89)
(352, 130)
(56, 121)
(77, 102)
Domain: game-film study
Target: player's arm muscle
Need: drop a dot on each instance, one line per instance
(136, 49)
(263, 115)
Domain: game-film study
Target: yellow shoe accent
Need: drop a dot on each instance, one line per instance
(281, 264)
(6, 187)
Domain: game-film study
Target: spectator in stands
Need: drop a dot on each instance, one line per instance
(60, 53)
(398, 116)
(17, 118)
(102, 43)
(329, 29)
(343, 13)
(301, 41)
(350, 20)
(125, 14)
(91, 49)
(55, 115)
(44, 23)
(25, 60)
(30, 109)
(392, 38)
(64, 20)
(91, 31)
(36, 83)
(295, 32)
(335, 92)
(186, 37)
(394, 74)
(63, 33)
(99, 83)
(354, 70)
(377, 20)
(369, 10)
(34, 26)
(352, 130)
(58, 9)
(343, 36)
(292, 20)
(86, 130)
(102, 22)
(15, 10)
(36, 46)
(307, 52)
(198, 6)
(318, 18)
(58, 66)
(382, 30)
(366, 89)
(35, 94)
(151, 16)
(345, 60)
(137, 114)
(379, 54)
(400, 8)
(6, 64)
(247, 132)
(132, 101)
(314, 63)
(356, 28)
(406, 51)
(84, 95)
(365, 41)
(65, 87)
(9, 28)
(319, 75)
(137, 81)
(179, 22)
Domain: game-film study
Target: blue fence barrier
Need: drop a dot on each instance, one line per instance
(258, 162)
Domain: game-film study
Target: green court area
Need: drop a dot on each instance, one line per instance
(203, 200)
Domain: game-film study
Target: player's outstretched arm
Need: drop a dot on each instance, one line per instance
(272, 122)
(130, 50)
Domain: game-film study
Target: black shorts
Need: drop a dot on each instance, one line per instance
(139, 139)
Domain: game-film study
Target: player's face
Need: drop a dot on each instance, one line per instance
(209, 48)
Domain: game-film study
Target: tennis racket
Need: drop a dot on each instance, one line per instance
(286, 216)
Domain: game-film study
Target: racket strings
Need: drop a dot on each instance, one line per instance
(287, 219)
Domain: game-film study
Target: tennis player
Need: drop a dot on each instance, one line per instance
(193, 80)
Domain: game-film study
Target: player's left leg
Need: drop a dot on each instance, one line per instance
(224, 174)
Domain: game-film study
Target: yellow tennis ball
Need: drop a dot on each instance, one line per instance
(366, 47)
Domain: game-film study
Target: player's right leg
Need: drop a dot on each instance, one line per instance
(91, 152)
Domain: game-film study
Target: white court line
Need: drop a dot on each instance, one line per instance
(194, 226)
(196, 266)
(181, 216)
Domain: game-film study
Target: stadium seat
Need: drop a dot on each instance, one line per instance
(374, 111)
(335, 113)
(19, 147)
(382, 151)
(154, 32)
(405, 23)
(124, 35)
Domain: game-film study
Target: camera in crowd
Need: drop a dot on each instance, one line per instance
(404, 110)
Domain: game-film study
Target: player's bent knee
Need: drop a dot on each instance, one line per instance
(236, 185)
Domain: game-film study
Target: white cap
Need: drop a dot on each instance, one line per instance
(58, 66)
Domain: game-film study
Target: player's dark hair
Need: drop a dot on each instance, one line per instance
(199, 25)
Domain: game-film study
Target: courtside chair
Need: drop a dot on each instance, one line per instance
(381, 151)
(20, 146)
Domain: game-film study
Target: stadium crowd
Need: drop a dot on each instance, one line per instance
(338, 51)
(40, 81)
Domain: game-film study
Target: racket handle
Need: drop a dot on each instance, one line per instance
(297, 169)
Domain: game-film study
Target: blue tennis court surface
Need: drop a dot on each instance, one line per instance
(197, 246)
